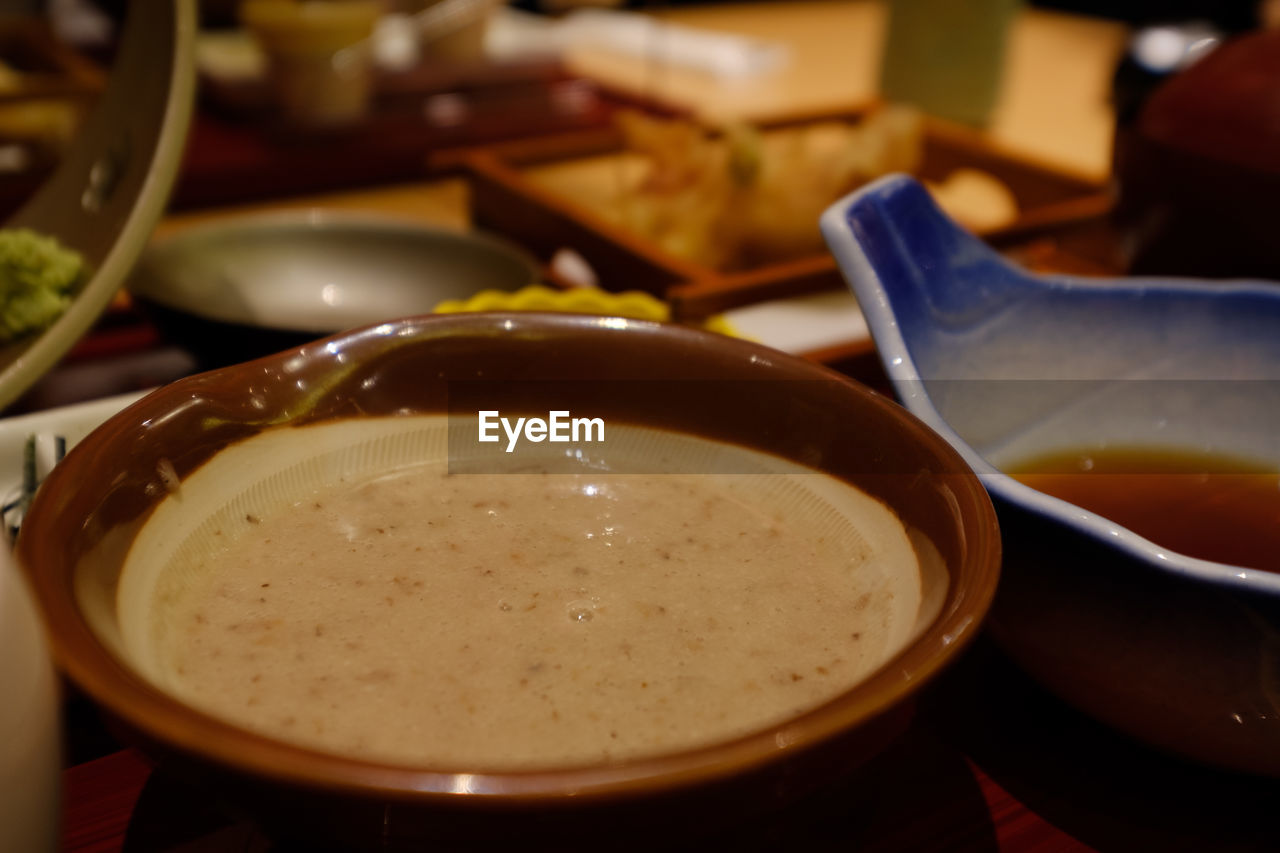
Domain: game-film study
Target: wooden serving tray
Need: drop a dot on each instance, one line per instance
(241, 151)
(538, 193)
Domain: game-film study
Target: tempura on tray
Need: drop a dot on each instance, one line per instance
(744, 197)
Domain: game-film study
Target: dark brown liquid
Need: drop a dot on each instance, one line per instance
(1200, 505)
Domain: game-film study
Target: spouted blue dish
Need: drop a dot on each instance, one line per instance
(1053, 375)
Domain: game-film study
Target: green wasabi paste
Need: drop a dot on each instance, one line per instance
(37, 276)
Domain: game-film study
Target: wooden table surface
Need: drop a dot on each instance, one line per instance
(991, 761)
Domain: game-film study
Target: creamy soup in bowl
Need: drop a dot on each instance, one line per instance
(312, 576)
(380, 606)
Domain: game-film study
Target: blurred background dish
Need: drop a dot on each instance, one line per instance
(633, 304)
(111, 185)
(247, 286)
(319, 57)
(1197, 163)
(1176, 650)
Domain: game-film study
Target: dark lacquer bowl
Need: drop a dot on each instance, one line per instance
(75, 537)
(1176, 650)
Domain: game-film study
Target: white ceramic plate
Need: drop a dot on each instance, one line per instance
(320, 271)
(53, 431)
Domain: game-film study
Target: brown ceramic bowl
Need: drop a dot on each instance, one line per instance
(75, 537)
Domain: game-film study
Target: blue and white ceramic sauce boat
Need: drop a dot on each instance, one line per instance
(1183, 653)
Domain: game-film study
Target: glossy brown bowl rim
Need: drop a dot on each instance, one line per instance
(166, 721)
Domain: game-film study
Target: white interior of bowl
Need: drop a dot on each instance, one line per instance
(1098, 375)
(1001, 424)
(287, 464)
(1009, 366)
